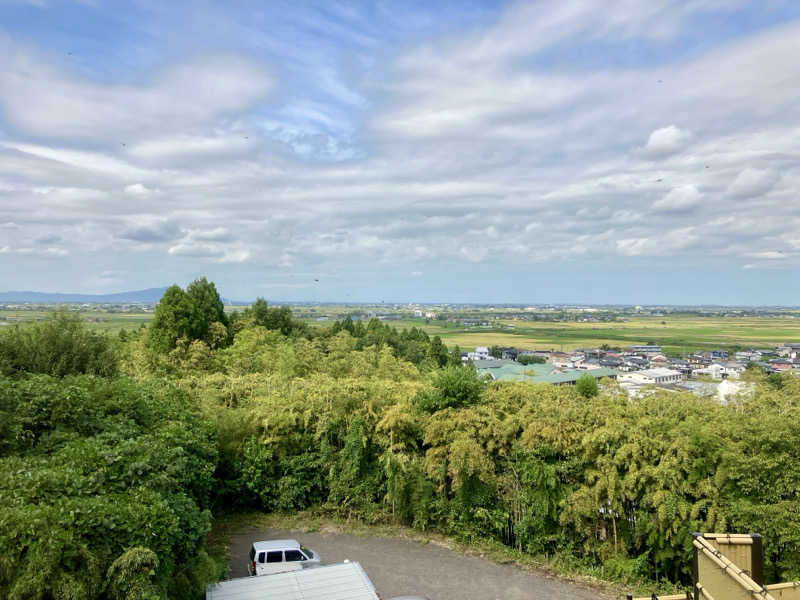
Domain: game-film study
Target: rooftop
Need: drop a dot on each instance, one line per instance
(508, 370)
(658, 372)
(344, 581)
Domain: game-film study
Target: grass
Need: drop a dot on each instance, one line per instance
(318, 520)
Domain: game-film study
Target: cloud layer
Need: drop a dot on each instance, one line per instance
(543, 139)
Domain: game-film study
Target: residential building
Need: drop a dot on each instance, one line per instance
(789, 350)
(481, 353)
(510, 354)
(645, 350)
(658, 376)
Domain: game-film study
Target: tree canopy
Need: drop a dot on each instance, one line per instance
(192, 315)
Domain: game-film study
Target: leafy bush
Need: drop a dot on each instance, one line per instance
(62, 345)
(100, 479)
(453, 387)
(586, 386)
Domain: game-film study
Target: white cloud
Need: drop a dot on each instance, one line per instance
(160, 149)
(665, 141)
(48, 252)
(216, 252)
(460, 150)
(681, 199)
(235, 256)
(194, 250)
(42, 99)
(770, 255)
(137, 189)
(753, 182)
(668, 243)
(218, 234)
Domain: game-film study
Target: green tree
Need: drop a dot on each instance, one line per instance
(189, 314)
(172, 320)
(207, 307)
(279, 318)
(586, 386)
(529, 359)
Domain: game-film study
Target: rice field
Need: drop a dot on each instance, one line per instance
(676, 334)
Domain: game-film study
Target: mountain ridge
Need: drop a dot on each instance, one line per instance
(146, 296)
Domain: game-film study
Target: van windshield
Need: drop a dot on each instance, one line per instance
(307, 552)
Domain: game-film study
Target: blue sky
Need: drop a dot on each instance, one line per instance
(431, 151)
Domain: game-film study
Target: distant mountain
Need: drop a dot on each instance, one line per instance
(148, 296)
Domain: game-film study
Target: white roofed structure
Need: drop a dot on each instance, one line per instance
(343, 581)
(658, 375)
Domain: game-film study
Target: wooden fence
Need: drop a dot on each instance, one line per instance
(729, 566)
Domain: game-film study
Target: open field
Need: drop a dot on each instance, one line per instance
(98, 320)
(677, 334)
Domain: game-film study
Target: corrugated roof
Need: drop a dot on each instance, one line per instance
(541, 373)
(574, 375)
(344, 581)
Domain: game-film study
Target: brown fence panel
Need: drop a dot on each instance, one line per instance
(785, 591)
(718, 582)
(744, 550)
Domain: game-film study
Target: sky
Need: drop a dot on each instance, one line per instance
(467, 151)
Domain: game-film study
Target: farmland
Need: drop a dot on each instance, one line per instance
(95, 318)
(676, 333)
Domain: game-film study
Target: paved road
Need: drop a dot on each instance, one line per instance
(398, 566)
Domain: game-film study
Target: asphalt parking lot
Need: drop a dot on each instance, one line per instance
(404, 567)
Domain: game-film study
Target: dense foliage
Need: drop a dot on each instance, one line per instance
(105, 486)
(541, 468)
(270, 317)
(58, 346)
(413, 345)
(106, 482)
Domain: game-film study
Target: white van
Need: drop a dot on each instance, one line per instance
(279, 556)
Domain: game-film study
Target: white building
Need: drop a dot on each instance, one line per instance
(720, 371)
(658, 376)
(481, 353)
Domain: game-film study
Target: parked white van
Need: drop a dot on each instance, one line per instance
(279, 556)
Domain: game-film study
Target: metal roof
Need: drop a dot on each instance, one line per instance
(344, 581)
(540, 373)
(658, 372)
(276, 545)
